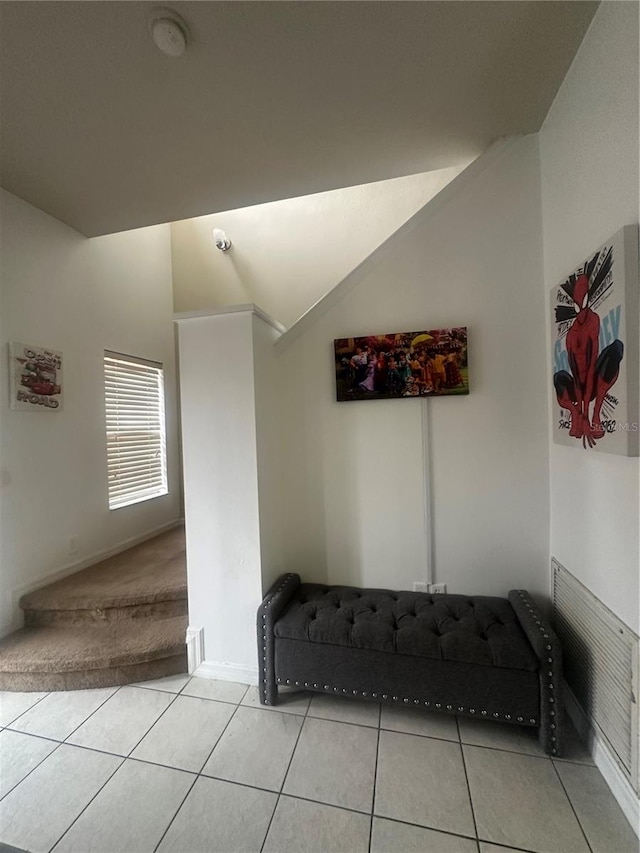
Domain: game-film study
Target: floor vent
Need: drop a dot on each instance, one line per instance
(600, 666)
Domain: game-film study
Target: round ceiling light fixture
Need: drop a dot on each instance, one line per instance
(169, 32)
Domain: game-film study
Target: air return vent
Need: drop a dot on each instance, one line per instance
(600, 666)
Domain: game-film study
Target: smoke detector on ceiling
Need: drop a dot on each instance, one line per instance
(168, 32)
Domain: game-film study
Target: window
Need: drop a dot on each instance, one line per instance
(136, 445)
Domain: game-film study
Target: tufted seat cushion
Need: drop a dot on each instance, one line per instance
(475, 629)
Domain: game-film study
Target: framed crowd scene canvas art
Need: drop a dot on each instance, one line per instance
(431, 363)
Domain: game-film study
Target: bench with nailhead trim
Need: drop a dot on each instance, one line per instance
(474, 656)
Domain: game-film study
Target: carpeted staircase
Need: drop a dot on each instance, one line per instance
(119, 621)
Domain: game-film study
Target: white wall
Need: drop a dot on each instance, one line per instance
(287, 254)
(353, 501)
(589, 165)
(63, 291)
(223, 359)
(268, 413)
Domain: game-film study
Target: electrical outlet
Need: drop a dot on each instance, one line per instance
(420, 586)
(437, 588)
(74, 544)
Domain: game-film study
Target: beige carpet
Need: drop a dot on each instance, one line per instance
(118, 621)
(153, 571)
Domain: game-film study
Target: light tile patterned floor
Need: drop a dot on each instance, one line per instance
(188, 765)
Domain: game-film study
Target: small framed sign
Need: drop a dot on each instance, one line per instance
(35, 378)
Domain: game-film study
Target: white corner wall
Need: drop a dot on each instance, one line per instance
(64, 291)
(287, 254)
(354, 473)
(231, 507)
(589, 166)
(268, 412)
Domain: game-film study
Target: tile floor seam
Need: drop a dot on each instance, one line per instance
(210, 753)
(517, 849)
(466, 776)
(346, 722)
(155, 689)
(175, 815)
(170, 766)
(343, 722)
(204, 698)
(435, 829)
(590, 763)
(375, 777)
(115, 692)
(510, 751)
(153, 763)
(28, 734)
(419, 734)
(64, 740)
(241, 784)
(151, 726)
(22, 713)
(567, 795)
(284, 778)
(83, 810)
(26, 776)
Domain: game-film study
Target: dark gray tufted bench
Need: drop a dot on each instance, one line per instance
(469, 655)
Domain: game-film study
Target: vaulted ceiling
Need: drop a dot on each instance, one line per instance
(271, 99)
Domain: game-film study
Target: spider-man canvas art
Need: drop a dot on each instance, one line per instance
(593, 357)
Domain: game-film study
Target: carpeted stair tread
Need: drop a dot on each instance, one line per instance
(150, 572)
(65, 650)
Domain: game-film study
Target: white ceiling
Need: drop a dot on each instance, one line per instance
(272, 99)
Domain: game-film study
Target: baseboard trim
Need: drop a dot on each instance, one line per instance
(71, 568)
(195, 648)
(228, 672)
(605, 762)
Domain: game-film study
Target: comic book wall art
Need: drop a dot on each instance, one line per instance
(35, 378)
(594, 338)
(401, 365)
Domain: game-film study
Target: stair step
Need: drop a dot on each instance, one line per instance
(77, 617)
(119, 621)
(154, 571)
(46, 658)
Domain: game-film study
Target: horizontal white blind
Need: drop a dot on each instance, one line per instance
(136, 444)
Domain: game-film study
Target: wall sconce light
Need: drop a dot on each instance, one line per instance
(221, 240)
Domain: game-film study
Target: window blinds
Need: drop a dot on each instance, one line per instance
(136, 445)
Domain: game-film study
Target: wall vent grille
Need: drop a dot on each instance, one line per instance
(600, 665)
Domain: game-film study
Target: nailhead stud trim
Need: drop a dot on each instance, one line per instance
(437, 705)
